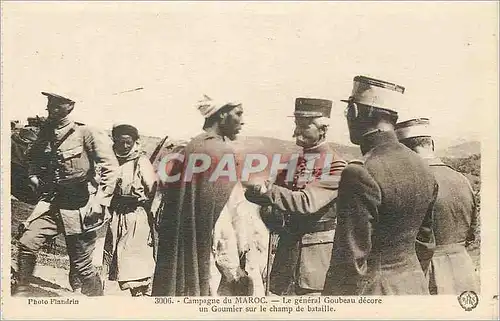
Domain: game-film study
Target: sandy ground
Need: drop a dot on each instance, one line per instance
(52, 282)
(51, 273)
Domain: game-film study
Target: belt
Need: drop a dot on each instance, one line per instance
(127, 209)
(72, 181)
(125, 203)
(449, 248)
(315, 227)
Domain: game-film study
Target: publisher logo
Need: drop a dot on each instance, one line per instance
(468, 300)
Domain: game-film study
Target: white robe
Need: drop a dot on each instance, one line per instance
(239, 229)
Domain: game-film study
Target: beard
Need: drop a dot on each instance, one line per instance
(231, 131)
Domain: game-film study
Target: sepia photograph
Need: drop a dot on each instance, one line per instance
(211, 159)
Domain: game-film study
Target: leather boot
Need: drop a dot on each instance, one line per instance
(25, 266)
(74, 280)
(92, 286)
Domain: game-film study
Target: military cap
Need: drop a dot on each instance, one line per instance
(376, 93)
(417, 127)
(58, 100)
(208, 106)
(312, 107)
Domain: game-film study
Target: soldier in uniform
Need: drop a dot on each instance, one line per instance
(306, 203)
(383, 202)
(451, 270)
(62, 168)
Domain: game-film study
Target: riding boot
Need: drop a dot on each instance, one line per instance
(92, 286)
(26, 262)
(74, 279)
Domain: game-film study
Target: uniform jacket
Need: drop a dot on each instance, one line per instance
(305, 244)
(79, 153)
(190, 211)
(455, 215)
(383, 203)
(455, 219)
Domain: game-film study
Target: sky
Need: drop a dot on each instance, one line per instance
(262, 54)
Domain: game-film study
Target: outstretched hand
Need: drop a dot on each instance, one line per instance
(256, 185)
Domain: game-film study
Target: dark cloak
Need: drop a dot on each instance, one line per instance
(190, 211)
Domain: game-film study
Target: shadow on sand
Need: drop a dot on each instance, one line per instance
(42, 288)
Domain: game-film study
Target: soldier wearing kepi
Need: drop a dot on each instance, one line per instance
(62, 168)
(307, 203)
(382, 204)
(451, 270)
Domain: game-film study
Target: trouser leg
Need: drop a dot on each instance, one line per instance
(74, 277)
(34, 237)
(433, 290)
(80, 248)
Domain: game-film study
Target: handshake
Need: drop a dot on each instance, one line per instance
(257, 186)
(256, 191)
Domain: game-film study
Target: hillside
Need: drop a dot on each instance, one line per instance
(266, 145)
(274, 145)
(461, 150)
(149, 143)
(254, 144)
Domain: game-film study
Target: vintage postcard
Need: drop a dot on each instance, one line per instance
(249, 160)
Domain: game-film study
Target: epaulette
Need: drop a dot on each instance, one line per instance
(356, 161)
(341, 162)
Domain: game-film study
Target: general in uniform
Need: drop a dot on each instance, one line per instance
(304, 204)
(451, 270)
(384, 202)
(62, 167)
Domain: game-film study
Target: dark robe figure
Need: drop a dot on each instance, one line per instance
(190, 210)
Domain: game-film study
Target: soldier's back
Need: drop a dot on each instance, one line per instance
(407, 190)
(454, 206)
(452, 269)
(407, 187)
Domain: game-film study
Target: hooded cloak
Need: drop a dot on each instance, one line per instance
(190, 211)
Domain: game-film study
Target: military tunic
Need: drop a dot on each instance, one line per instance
(68, 191)
(451, 269)
(382, 205)
(305, 244)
